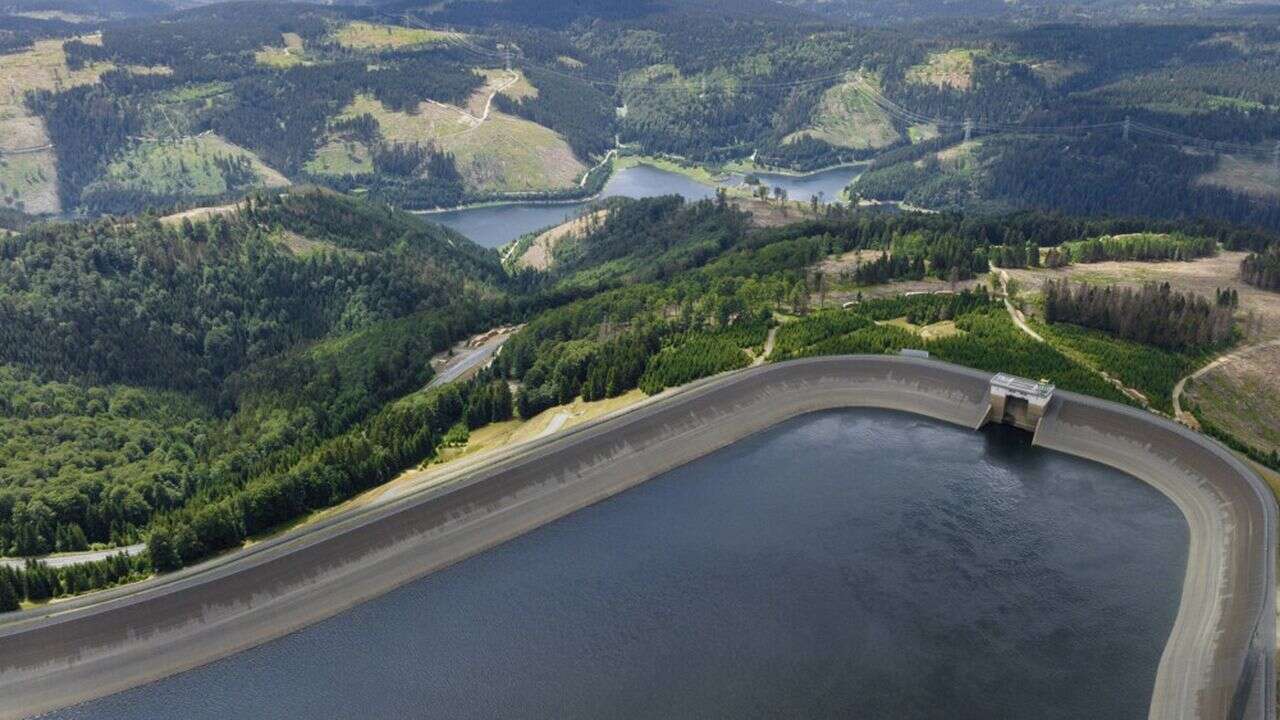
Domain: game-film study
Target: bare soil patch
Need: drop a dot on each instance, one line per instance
(203, 213)
(771, 213)
(848, 262)
(538, 255)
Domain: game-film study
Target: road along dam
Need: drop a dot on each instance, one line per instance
(1218, 661)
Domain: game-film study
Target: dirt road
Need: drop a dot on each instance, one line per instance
(1186, 418)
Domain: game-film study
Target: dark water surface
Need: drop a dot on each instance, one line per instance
(846, 564)
(498, 225)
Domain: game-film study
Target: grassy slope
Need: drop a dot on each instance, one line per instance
(32, 179)
(502, 154)
(950, 69)
(1247, 175)
(371, 36)
(341, 157)
(1243, 398)
(185, 167)
(844, 117)
(289, 54)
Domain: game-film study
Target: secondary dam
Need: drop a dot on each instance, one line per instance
(1216, 663)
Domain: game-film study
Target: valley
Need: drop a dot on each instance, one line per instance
(302, 303)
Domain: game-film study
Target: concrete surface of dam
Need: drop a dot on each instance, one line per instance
(1216, 664)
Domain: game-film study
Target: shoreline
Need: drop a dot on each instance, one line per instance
(635, 160)
(1221, 647)
(797, 174)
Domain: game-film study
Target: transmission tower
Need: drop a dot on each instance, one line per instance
(1128, 125)
(968, 129)
(1275, 160)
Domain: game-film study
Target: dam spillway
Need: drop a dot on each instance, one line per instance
(1217, 662)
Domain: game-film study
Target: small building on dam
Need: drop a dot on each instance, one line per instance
(1018, 401)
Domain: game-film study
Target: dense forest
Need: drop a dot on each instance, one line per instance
(1153, 314)
(206, 300)
(1141, 246)
(228, 340)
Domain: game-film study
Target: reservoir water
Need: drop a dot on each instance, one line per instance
(844, 564)
(497, 225)
(827, 185)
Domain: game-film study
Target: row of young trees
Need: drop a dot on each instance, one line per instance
(1154, 314)
(1141, 246)
(403, 434)
(38, 582)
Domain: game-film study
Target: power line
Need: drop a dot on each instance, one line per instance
(859, 83)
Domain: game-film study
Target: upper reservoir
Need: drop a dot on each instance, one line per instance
(497, 225)
(852, 563)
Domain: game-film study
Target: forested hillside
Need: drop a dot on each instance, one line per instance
(390, 100)
(146, 362)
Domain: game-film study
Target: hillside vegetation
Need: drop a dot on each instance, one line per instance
(233, 349)
(193, 384)
(420, 109)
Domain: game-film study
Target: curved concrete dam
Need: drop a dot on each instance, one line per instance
(1216, 663)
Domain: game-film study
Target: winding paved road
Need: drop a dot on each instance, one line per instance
(66, 559)
(1218, 663)
(473, 359)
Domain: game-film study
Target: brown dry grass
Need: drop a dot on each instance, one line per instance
(487, 439)
(771, 213)
(197, 214)
(1242, 397)
(538, 255)
(1202, 276)
(834, 266)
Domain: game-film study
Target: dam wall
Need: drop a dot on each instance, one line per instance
(92, 646)
(1218, 661)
